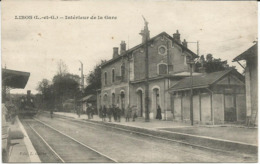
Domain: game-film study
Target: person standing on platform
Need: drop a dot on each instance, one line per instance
(91, 110)
(109, 113)
(128, 113)
(114, 112)
(88, 111)
(118, 113)
(104, 113)
(51, 112)
(159, 113)
(134, 112)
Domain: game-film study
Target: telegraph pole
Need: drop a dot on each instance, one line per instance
(147, 118)
(145, 34)
(191, 92)
(82, 76)
(82, 84)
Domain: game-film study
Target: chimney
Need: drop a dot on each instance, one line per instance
(115, 52)
(177, 36)
(145, 33)
(184, 43)
(122, 47)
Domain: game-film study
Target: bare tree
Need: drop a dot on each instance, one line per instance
(62, 68)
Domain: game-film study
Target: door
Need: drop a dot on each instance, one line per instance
(140, 102)
(230, 108)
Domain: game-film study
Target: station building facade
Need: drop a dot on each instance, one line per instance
(220, 100)
(123, 77)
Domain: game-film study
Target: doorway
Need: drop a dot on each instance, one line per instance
(156, 100)
(122, 102)
(230, 108)
(140, 102)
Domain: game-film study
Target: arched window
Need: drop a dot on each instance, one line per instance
(122, 71)
(105, 78)
(113, 75)
(162, 69)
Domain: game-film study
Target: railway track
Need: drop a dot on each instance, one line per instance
(53, 140)
(46, 126)
(193, 146)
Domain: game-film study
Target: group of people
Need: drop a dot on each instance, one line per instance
(116, 112)
(90, 111)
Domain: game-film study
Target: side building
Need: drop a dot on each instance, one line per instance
(218, 97)
(251, 74)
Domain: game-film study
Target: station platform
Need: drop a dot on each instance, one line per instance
(231, 132)
(21, 149)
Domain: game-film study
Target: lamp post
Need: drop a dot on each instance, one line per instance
(82, 84)
(191, 63)
(82, 76)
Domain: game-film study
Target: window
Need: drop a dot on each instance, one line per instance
(162, 50)
(105, 78)
(122, 71)
(113, 75)
(162, 69)
(131, 70)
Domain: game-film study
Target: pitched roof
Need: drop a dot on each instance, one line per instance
(142, 44)
(251, 52)
(88, 98)
(200, 81)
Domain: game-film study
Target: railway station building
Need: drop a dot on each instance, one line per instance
(124, 76)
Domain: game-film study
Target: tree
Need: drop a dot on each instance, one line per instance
(211, 64)
(65, 87)
(46, 89)
(94, 79)
(43, 85)
(62, 68)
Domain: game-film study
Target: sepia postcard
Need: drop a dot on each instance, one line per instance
(148, 81)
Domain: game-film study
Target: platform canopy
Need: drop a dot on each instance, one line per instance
(14, 79)
(251, 52)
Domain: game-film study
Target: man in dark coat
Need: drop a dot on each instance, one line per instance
(109, 113)
(88, 111)
(134, 112)
(114, 112)
(159, 113)
(104, 113)
(118, 113)
(128, 113)
(51, 112)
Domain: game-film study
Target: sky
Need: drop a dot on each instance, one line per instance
(224, 29)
